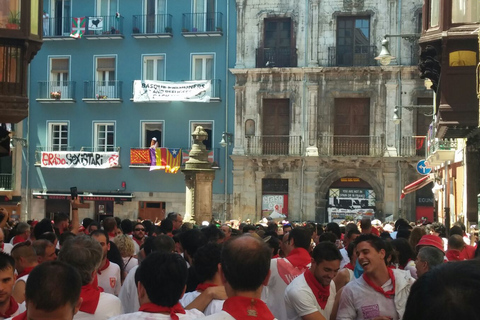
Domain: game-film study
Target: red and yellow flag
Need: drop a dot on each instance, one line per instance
(174, 160)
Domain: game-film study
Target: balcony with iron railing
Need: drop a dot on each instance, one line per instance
(55, 29)
(56, 91)
(351, 145)
(152, 26)
(104, 27)
(276, 57)
(202, 24)
(39, 150)
(346, 56)
(440, 150)
(281, 145)
(412, 146)
(140, 157)
(68, 156)
(102, 91)
(6, 181)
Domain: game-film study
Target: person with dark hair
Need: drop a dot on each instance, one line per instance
(161, 279)
(191, 240)
(334, 228)
(367, 228)
(109, 273)
(50, 236)
(227, 231)
(25, 259)
(350, 236)
(449, 291)
(110, 227)
(53, 292)
(205, 264)
(405, 255)
(312, 294)
(380, 291)
(328, 237)
(284, 270)
(213, 234)
(114, 256)
(8, 306)
(287, 227)
(85, 223)
(44, 225)
(85, 254)
(274, 243)
(138, 234)
(458, 250)
(22, 233)
(245, 267)
(272, 226)
(93, 226)
(438, 229)
(428, 258)
(166, 227)
(127, 226)
(45, 250)
(61, 222)
(64, 237)
(128, 293)
(346, 274)
(176, 219)
(248, 228)
(465, 235)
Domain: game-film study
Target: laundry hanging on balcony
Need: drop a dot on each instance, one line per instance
(187, 91)
(414, 186)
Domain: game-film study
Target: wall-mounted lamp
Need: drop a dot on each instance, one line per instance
(18, 141)
(385, 57)
(427, 111)
(396, 115)
(226, 139)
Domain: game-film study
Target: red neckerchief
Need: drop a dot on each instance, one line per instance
(18, 239)
(3, 246)
(25, 271)
(107, 264)
(320, 292)
(21, 316)
(139, 242)
(246, 308)
(11, 310)
(349, 266)
(403, 267)
(90, 294)
(155, 308)
(112, 235)
(204, 286)
(388, 294)
(276, 256)
(299, 257)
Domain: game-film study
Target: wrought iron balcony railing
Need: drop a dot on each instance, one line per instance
(276, 57)
(412, 146)
(102, 91)
(57, 27)
(152, 24)
(274, 145)
(216, 89)
(6, 181)
(202, 22)
(346, 56)
(369, 146)
(39, 150)
(56, 90)
(105, 26)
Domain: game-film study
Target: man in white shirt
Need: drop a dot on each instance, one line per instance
(283, 270)
(8, 306)
(109, 277)
(161, 279)
(85, 254)
(311, 295)
(380, 291)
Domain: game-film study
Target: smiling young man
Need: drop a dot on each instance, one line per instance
(380, 293)
(311, 295)
(8, 306)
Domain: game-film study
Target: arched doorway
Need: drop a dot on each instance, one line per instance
(350, 198)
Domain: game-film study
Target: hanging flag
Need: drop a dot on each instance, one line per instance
(140, 156)
(174, 160)
(78, 27)
(158, 158)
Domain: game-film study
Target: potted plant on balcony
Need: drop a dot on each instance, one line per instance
(168, 29)
(55, 95)
(136, 30)
(13, 21)
(219, 29)
(101, 96)
(184, 30)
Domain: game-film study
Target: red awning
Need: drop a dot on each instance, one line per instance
(414, 186)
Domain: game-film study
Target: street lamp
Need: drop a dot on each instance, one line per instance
(226, 139)
(385, 57)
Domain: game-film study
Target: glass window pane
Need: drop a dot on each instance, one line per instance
(160, 69)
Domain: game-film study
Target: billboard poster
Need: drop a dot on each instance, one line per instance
(350, 204)
(275, 206)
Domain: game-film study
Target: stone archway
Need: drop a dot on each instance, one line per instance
(324, 186)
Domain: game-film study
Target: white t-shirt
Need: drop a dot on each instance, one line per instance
(300, 300)
(345, 258)
(110, 279)
(128, 294)
(7, 248)
(189, 314)
(214, 306)
(282, 273)
(361, 302)
(108, 306)
(21, 308)
(129, 263)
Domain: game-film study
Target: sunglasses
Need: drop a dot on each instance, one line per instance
(139, 229)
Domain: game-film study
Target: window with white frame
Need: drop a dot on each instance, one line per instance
(59, 75)
(156, 20)
(107, 7)
(204, 15)
(104, 136)
(105, 84)
(208, 127)
(57, 139)
(150, 130)
(154, 68)
(59, 21)
(202, 66)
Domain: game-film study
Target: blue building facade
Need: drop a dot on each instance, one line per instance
(83, 113)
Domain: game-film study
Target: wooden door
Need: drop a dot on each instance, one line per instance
(276, 126)
(352, 126)
(151, 210)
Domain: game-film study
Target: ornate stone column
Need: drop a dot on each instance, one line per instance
(199, 177)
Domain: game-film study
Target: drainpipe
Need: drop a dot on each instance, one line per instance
(227, 85)
(399, 103)
(27, 158)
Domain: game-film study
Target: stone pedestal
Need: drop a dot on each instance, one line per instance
(199, 177)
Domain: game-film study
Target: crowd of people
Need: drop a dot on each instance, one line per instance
(123, 269)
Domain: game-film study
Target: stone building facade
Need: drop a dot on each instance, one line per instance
(313, 109)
